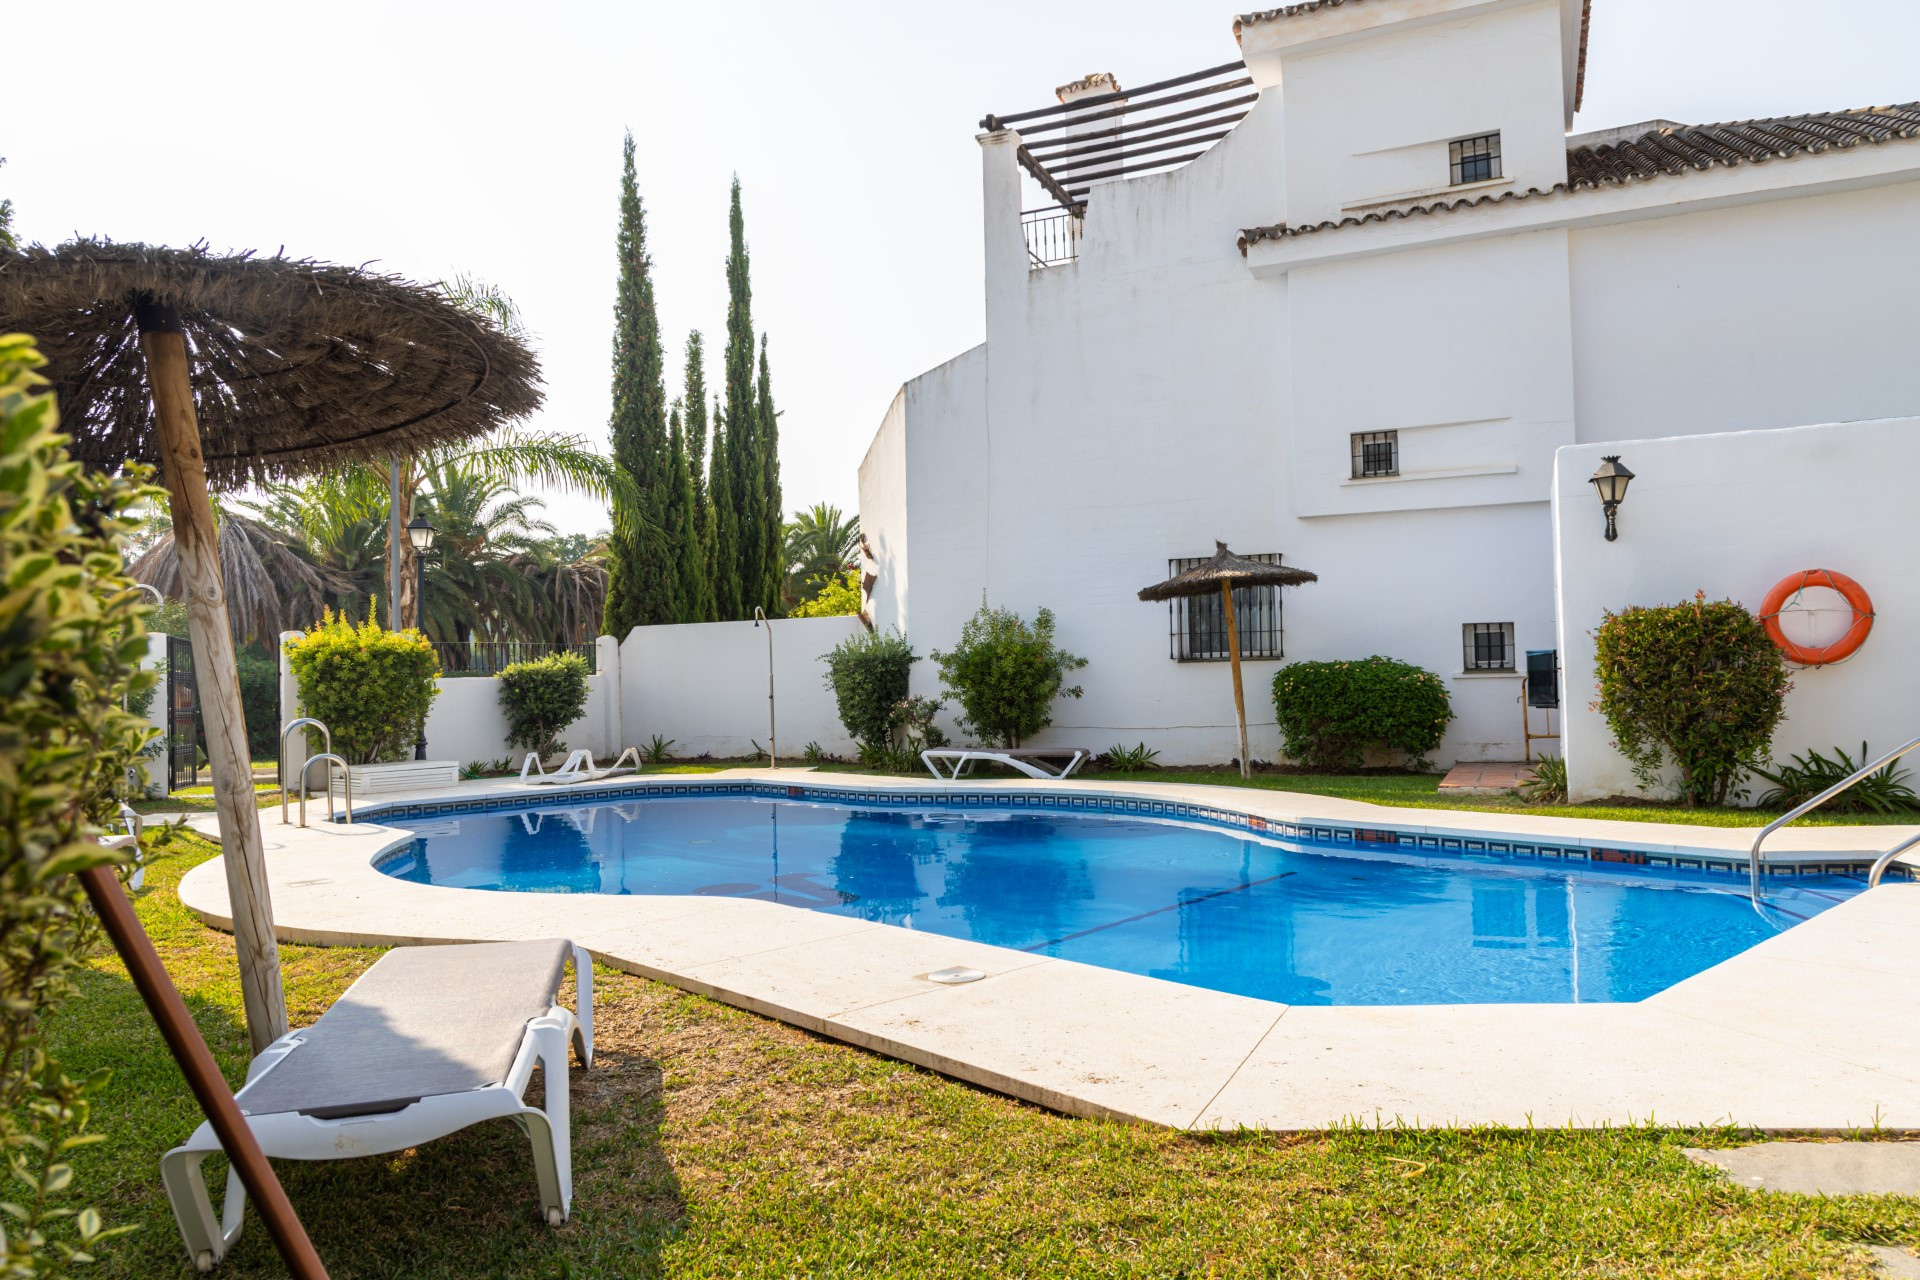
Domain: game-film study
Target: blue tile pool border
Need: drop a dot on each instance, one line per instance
(1614, 857)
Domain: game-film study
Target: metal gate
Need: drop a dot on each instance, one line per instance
(183, 717)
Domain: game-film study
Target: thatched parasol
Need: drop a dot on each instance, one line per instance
(1223, 573)
(240, 368)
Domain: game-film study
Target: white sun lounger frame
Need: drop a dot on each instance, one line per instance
(1028, 761)
(579, 767)
(288, 1135)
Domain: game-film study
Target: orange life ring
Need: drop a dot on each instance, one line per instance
(1809, 655)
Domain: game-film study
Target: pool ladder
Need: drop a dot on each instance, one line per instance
(332, 760)
(1880, 865)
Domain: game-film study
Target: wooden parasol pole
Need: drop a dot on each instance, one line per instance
(163, 343)
(1239, 695)
(190, 1050)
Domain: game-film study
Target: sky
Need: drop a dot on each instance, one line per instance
(437, 139)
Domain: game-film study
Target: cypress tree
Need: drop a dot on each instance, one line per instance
(726, 514)
(748, 540)
(682, 538)
(766, 441)
(640, 581)
(705, 608)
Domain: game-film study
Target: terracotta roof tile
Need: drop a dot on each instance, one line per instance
(1669, 152)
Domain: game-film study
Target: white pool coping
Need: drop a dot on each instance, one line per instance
(1816, 1029)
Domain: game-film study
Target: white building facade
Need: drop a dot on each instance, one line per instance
(1355, 332)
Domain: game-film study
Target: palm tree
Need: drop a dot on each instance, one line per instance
(820, 544)
(272, 584)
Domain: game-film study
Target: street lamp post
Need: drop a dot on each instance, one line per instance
(420, 533)
(773, 751)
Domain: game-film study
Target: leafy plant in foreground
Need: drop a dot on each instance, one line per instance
(658, 750)
(1699, 684)
(541, 698)
(71, 641)
(1332, 713)
(1006, 673)
(1885, 790)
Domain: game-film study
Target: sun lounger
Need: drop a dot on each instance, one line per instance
(1032, 761)
(579, 767)
(428, 1041)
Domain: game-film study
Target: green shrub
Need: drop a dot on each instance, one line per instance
(1698, 683)
(1005, 673)
(260, 700)
(1331, 713)
(371, 687)
(868, 675)
(541, 698)
(71, 641)
(835, 597)
(1885, 790)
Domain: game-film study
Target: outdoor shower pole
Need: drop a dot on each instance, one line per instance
(773, 749)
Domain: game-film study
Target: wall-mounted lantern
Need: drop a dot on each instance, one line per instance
(1610, 481)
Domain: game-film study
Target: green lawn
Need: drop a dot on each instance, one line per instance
(710, 1142)
(1421, 791)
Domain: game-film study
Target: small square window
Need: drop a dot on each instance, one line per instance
(1475, 159)
(1197, 625)
(1486, 646)
(1376, 453)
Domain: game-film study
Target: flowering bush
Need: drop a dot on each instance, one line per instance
(837, 597)
(1330, 713)
(1698, 683)
(371, 687)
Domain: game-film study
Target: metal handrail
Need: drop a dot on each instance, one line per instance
(326, 735)
(1753, 855)
(1885, 860)
(346, 786)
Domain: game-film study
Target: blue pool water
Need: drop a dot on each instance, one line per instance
(1194, 904)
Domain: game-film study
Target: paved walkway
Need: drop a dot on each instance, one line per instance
(1816, 1029)
(1820, 1168)
(1484, 778)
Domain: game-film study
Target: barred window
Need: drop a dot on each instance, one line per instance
(1197, 625)
(1475, 159)
(1375, 453)
(1486, 646)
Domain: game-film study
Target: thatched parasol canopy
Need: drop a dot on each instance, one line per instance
(1228, 569)
(1224, 574)
(243, 368)
(297, 366)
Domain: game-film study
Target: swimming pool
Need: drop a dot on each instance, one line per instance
(1211, 907)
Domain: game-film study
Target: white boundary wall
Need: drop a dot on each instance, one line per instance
(1731, 515)
(704, 685)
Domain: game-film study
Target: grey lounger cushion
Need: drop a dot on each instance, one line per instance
(424, 1021)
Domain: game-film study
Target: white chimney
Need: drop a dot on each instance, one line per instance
(1104, 130)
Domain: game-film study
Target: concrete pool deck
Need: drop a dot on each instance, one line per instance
(1815, 1029)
